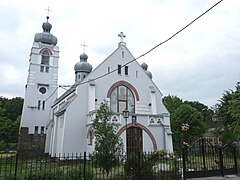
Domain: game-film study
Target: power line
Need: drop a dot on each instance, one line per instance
(163, 42)
(182, 28)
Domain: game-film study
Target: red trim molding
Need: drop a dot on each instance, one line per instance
(138, 125)
(123, 83)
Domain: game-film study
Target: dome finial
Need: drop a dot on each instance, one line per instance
(48, 9)
(46, 36)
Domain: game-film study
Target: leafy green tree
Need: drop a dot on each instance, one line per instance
(107, 145)
(229, 114)
(205, 110)
(172, 103)
(192, 113)
(10, 112)
(12, 107)
(9, 131)
(185, 114)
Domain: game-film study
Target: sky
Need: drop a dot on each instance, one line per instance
(198, 64)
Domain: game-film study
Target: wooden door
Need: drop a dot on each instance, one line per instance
(134, 140)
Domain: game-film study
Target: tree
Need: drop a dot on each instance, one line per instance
(172, 103)
(185, 114)
(192, 113)
(12, 107)
(205, 110)
(107, 145)
(229, 114)
(10, 113)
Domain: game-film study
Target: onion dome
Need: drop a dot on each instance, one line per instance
(46, 36)
(149, 74)
(145, 67)
(83, 57)
(83, 65)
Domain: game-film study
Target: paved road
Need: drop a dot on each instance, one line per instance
(229, 177)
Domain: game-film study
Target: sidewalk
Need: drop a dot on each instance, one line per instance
(230, 177)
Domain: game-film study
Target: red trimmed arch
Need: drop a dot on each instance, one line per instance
(46, 49)
(123, 83)
(138, 125)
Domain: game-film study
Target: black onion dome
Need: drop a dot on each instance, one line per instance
(83, 57)
(46, 27)
(144, 66)
(46, 36)
(83, 65)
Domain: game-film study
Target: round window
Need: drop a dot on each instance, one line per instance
(42, 90)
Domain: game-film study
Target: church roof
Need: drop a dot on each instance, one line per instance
(64, 107)
(65, 94)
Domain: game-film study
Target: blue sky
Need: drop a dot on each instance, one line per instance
(196, 65)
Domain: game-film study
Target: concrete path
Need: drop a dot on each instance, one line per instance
(229, 177)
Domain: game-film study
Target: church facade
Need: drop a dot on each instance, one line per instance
(60, 125)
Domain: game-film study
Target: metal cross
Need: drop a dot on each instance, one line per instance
(121, 35)
(48, 10)
(84, 45)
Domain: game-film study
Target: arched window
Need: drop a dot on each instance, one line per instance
(90, 136)
(122, 98)
(45, 57)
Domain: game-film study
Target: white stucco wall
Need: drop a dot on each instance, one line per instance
(90, 95)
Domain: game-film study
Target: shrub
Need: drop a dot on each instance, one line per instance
(139, 167)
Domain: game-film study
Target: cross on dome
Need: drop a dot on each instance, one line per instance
(84, 46)
(48, 9)
(121, 35)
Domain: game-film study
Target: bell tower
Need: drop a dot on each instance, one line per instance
(40, 91)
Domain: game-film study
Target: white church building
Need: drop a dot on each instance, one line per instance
(58, 125)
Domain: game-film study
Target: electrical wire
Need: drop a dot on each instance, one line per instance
(161, 43)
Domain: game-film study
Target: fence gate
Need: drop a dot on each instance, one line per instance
(203, 159)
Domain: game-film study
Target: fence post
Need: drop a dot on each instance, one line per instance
(203, 156)
(184, 163)
(84, 166)
(16, 166)
(235, 159)
(221, 160)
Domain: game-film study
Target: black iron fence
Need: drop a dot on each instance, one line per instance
(157, 165)
(202, 159)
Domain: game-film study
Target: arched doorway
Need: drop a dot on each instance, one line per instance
(134, 140)
(143, 129)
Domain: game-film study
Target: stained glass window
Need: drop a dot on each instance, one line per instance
(122, 98)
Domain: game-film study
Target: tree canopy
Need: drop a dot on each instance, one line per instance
(193, 113)
(10, 115)
(229, 114)
(185, 114)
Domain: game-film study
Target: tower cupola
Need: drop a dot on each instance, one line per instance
(82, 68)
(46, 36)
